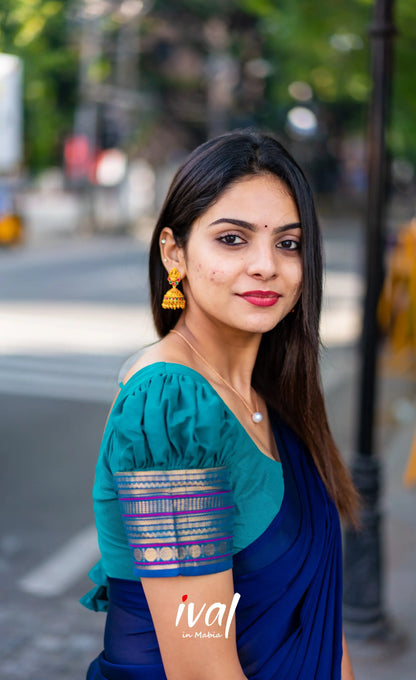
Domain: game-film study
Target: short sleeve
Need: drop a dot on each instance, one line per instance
(173, 488)
(178, 522)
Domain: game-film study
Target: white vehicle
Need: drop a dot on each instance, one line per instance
(11, 147)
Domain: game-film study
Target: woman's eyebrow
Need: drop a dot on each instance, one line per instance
(252, 227)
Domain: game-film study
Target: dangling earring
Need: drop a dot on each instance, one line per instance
(173, 298)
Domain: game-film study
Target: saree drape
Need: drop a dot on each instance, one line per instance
(288, 619)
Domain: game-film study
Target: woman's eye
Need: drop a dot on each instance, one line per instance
(289, 244)
(231, 239)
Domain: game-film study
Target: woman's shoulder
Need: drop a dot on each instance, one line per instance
(162, 383)
(160, 359)
(163, 408)
(159, 381)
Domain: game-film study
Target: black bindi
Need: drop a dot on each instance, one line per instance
(265, 226)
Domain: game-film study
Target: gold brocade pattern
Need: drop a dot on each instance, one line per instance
(177, 521)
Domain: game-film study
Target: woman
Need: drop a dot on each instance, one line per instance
(218, 484)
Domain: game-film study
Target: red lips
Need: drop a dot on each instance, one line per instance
(261, 298)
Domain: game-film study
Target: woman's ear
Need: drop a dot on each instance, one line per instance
(171, 254)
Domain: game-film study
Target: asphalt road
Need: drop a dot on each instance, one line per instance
(71, 313)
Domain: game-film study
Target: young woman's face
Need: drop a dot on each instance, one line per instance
(242, 262)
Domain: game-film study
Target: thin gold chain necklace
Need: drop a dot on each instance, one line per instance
(256, 417)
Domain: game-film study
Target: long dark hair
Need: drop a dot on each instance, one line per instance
(288, 359)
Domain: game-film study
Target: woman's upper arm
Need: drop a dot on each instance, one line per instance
(190, 615)
(176, 502)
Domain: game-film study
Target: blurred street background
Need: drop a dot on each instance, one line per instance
(99, 102)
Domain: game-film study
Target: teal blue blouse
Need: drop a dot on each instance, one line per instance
(167, 417)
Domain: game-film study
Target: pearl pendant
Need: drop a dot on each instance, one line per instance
(257, 417)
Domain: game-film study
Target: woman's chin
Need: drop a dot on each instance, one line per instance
(257, 325)
(253, 322)
(262, 323)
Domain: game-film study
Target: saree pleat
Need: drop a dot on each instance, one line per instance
(289, 616)
(288, 619)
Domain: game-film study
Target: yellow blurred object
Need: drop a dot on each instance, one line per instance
(397, 304)
(397, 317)
(409, 477)
(11, 229)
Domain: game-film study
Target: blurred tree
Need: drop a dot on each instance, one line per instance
(208, 66)
(275, 56)
(36, 31)
(326, 45)
(192, 55)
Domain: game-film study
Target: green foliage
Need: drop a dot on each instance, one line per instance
(327, 45)
(323, 44)
(403, 98)
(36, 31)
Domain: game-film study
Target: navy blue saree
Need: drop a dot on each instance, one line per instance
(288, 619)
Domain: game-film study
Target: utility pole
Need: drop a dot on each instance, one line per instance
(364, 609)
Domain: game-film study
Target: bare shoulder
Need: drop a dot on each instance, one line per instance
(167, 349)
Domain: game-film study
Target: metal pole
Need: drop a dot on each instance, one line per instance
(364, 615)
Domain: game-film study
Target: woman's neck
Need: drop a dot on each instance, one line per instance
(229, 351)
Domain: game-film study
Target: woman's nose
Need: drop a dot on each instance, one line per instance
(263, 262)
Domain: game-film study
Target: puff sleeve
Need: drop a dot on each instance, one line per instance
(173, 486)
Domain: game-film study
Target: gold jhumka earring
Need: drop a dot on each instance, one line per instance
(174, 298)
